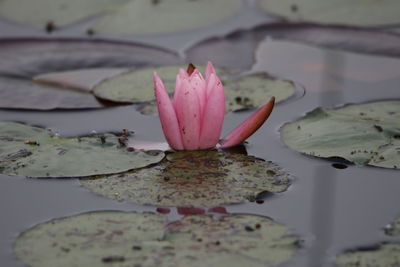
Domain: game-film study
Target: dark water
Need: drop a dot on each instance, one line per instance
(330, 209)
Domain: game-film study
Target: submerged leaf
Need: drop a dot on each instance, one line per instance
(355, 12)
(194, 178)
(81, 80)
(20, 93)
(36, 152)
(129, 239)
(361, 133)
(383, 256)
(22, 60)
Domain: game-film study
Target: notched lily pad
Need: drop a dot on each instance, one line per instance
(194, 178)
(36, 152)
(144, 17)
(381, 256)
(361, 133)
(355, 12)
(130, 239)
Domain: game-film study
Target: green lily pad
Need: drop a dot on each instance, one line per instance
(361, 133)
(135, 86)
(144, 17)
(132, 239)
(194, 178)
(355, 12)
(58, 12)
(36, 152)
(383, 256)
(393, 229)
(244, 92)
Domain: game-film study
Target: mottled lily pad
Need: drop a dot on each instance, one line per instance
(250, 91)
(355, 12)
(132, 239)
(361, 133)
(22, 60)
(36, 152)
(194, 178)
(57, 12)
(393, 229)
(143, 17)
(383, 256)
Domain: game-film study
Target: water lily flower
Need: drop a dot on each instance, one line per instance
(193, 120)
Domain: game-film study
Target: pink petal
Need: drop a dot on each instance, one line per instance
(188, 113)
(249, 126)
(209, 70)
(166, 112)
(214, 112)
(199, 85)
(183, 74)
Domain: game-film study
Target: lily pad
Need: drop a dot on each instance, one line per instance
(355, 12)
(250, 91)
(254, 90)
(36, 152)
(194, 178)
(383, 256)
(393, 229)
(366, 133)
(22, 60)
(130, 239)
(143, 17)
(135, 86)
(57, 12)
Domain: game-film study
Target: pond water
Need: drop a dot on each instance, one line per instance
(331, 209)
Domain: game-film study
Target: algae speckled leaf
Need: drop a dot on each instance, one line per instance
(384, 255)
(130, 239)
(194, 178)
(36, 152)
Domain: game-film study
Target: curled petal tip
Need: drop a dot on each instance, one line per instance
(248, 126)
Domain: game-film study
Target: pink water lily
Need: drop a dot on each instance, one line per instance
(193, 120)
